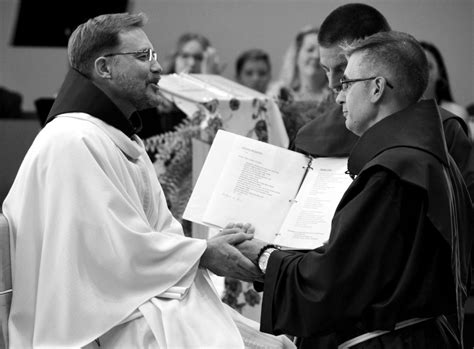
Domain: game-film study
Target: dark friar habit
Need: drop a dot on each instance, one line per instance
(79, 94)
(389, 255)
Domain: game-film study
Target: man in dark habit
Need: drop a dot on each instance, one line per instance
(398, 257)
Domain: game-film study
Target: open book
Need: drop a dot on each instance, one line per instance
(288, 197)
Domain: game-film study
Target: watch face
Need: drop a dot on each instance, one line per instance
(263, 261)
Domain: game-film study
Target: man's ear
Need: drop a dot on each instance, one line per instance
(102, 68)
(378, 90)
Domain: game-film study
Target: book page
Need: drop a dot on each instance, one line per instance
(209, 173)
(256, 183)
(200, 150)
(308, 223)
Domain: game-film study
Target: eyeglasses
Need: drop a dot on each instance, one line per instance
(197, 57)
(144, 55)
(347, 83)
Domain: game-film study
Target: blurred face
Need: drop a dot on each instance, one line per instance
(355, 100)
(430, 91)
(333, 62)
(308, 56)
(255, 74)
(189, 58)
(134, 78)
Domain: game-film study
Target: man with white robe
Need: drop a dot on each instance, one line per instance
(97, 258)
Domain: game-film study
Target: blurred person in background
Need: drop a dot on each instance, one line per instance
(438, 84)
(194, 55)
(301, 74)
(301, 91)
(253, 69)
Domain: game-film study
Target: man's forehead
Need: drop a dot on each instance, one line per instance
(355, 64)
(134, 39)
(332, 57)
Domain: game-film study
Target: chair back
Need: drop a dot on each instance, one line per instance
(5, 280)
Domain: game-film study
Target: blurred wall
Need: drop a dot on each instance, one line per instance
(16, 136)
(236, 25)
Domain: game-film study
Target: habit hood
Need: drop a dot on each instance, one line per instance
(79, 94)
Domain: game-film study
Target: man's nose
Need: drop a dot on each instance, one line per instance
(194, 65)
(255, 77)
(156, 67)
(333, 80)
(340, 98)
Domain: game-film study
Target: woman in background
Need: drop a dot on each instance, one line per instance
(301, 74)
(438, 84)
(302, 90)
(253, 69)
(194, 55)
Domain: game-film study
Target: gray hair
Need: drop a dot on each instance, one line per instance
(92, 38)
(401, 58)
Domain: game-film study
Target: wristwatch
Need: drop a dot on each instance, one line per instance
(264, 257)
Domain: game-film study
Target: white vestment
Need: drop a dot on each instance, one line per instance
(95, 249)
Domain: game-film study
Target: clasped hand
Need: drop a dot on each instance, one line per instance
(223, 257)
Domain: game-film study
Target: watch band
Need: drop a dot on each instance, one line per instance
(264, 255)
